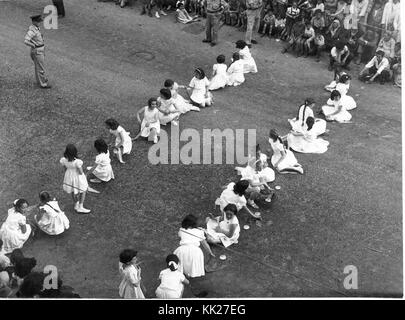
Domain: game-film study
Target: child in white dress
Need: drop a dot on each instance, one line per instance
(167, 110)
(306, 140)
(51, 219)
(189, 252)
(150, 124)
(102, 168)
(343, 87)
(304, 112)
(235, 71)
(123, 141)
(172, 281)
(200, 96)
(336, 112)
(246, 57)
(180, 103)
(224, 229)
(219, 75)
(130, 286)
(15, 231)
(75, 181)
(332, 86)
(283, 160)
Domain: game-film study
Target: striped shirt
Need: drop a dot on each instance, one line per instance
(34, 36)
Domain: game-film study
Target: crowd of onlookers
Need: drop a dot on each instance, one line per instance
(347, 30)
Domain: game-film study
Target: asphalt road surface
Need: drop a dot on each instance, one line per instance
(105, 62)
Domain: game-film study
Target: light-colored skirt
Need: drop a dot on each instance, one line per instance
(128, 291)
(165, 293)
(54, 225)
(145, 131)
(191, 260)
(74, 182)
(218, 81)
(303, 145)
(342, 116)
(236, 79)
(289, 161)
(249, 65)
(13, 239)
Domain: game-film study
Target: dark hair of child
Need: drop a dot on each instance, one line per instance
(221, 58)
(170, 258)
(189, 221)
(101, 146)
(112, 124)
(44, 197)
(165, 93)
(127, 255)
(150, 101)
(70, 152)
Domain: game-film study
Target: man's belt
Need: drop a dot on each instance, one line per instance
(40, 46)
(216, 11)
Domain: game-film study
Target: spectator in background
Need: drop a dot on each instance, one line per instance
(279, 25)
(377, 68)
(231, 14)
(330, 8)
(253, 10)
(319, 44)
(269, 21)
(367, 45)
(305, 41)
(333, 33)
(183, 16)
(348, 15)
(292, 16)
(5, 290)
(318, 21)
(319, 6)
(387, 44)
(297, 31)
(396, 69)
(359, 13)
(375, 16)
(340, 56)
(32, 285)
(214, 9)
(352, 40)
(391, 15)
(282, 8)
(340, 11)
(147, 7)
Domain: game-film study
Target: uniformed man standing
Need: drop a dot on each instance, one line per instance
(34, 39)
(214, 10)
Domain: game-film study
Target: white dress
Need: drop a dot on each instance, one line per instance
(200, 94)
(190, 254)
(167, 106)
(332, 86)
(342, 116)
(346, 100)
(225, 225)
(298, 123)
(74, 182)
(267, 174)
(127, 143)
(249, 172)
(11, 233)
(54, 220)
(309, 141)
(248, 61)
(150, 117)
(130, 275)
(288, 162)
(171, 284)
(103, 170)
(181, 104)
(228, 196)
(235, 73)
(221, 77)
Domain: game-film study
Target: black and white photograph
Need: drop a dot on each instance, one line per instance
(201, 150)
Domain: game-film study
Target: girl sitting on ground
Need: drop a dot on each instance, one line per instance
(181, 104)
(224, 229)
(167, 110)
(102, 169)
(172, 281)
(336, 79)
(219, 76)
(51, 219)
(15, 231)
(123, 142)
(150, 124)
(283, 160)
(306, 140)
(246, 57)
(343, 87)
(304, 111)
(183, 16)
(235, 71)
(200, 95)
(336, 112)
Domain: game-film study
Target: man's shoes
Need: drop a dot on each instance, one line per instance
(213, 44)
(46, 87)
(254, 41)
(206, 41)
(163, 13)
(157, 15)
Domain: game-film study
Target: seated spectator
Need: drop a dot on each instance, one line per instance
(22, 268)
(231, 14)
(292, 16)
(319, 45)
(352, 39)
(147, 7)
(282, 8)
(333, 33)
(391, 17)
(330, 8)
(279, 25)
(306, 9)
(318, 21)
(340, 56)
(377, 68)
(242, 17)
(367, 44)
(183, 16)
(32, 285)
(397, 55)
(319, 6)
(269, 21)
(387, 44)
(340, 11)
(297, 31)
(348, 15)
(396, 69)
(304, 43)
(375, 15)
